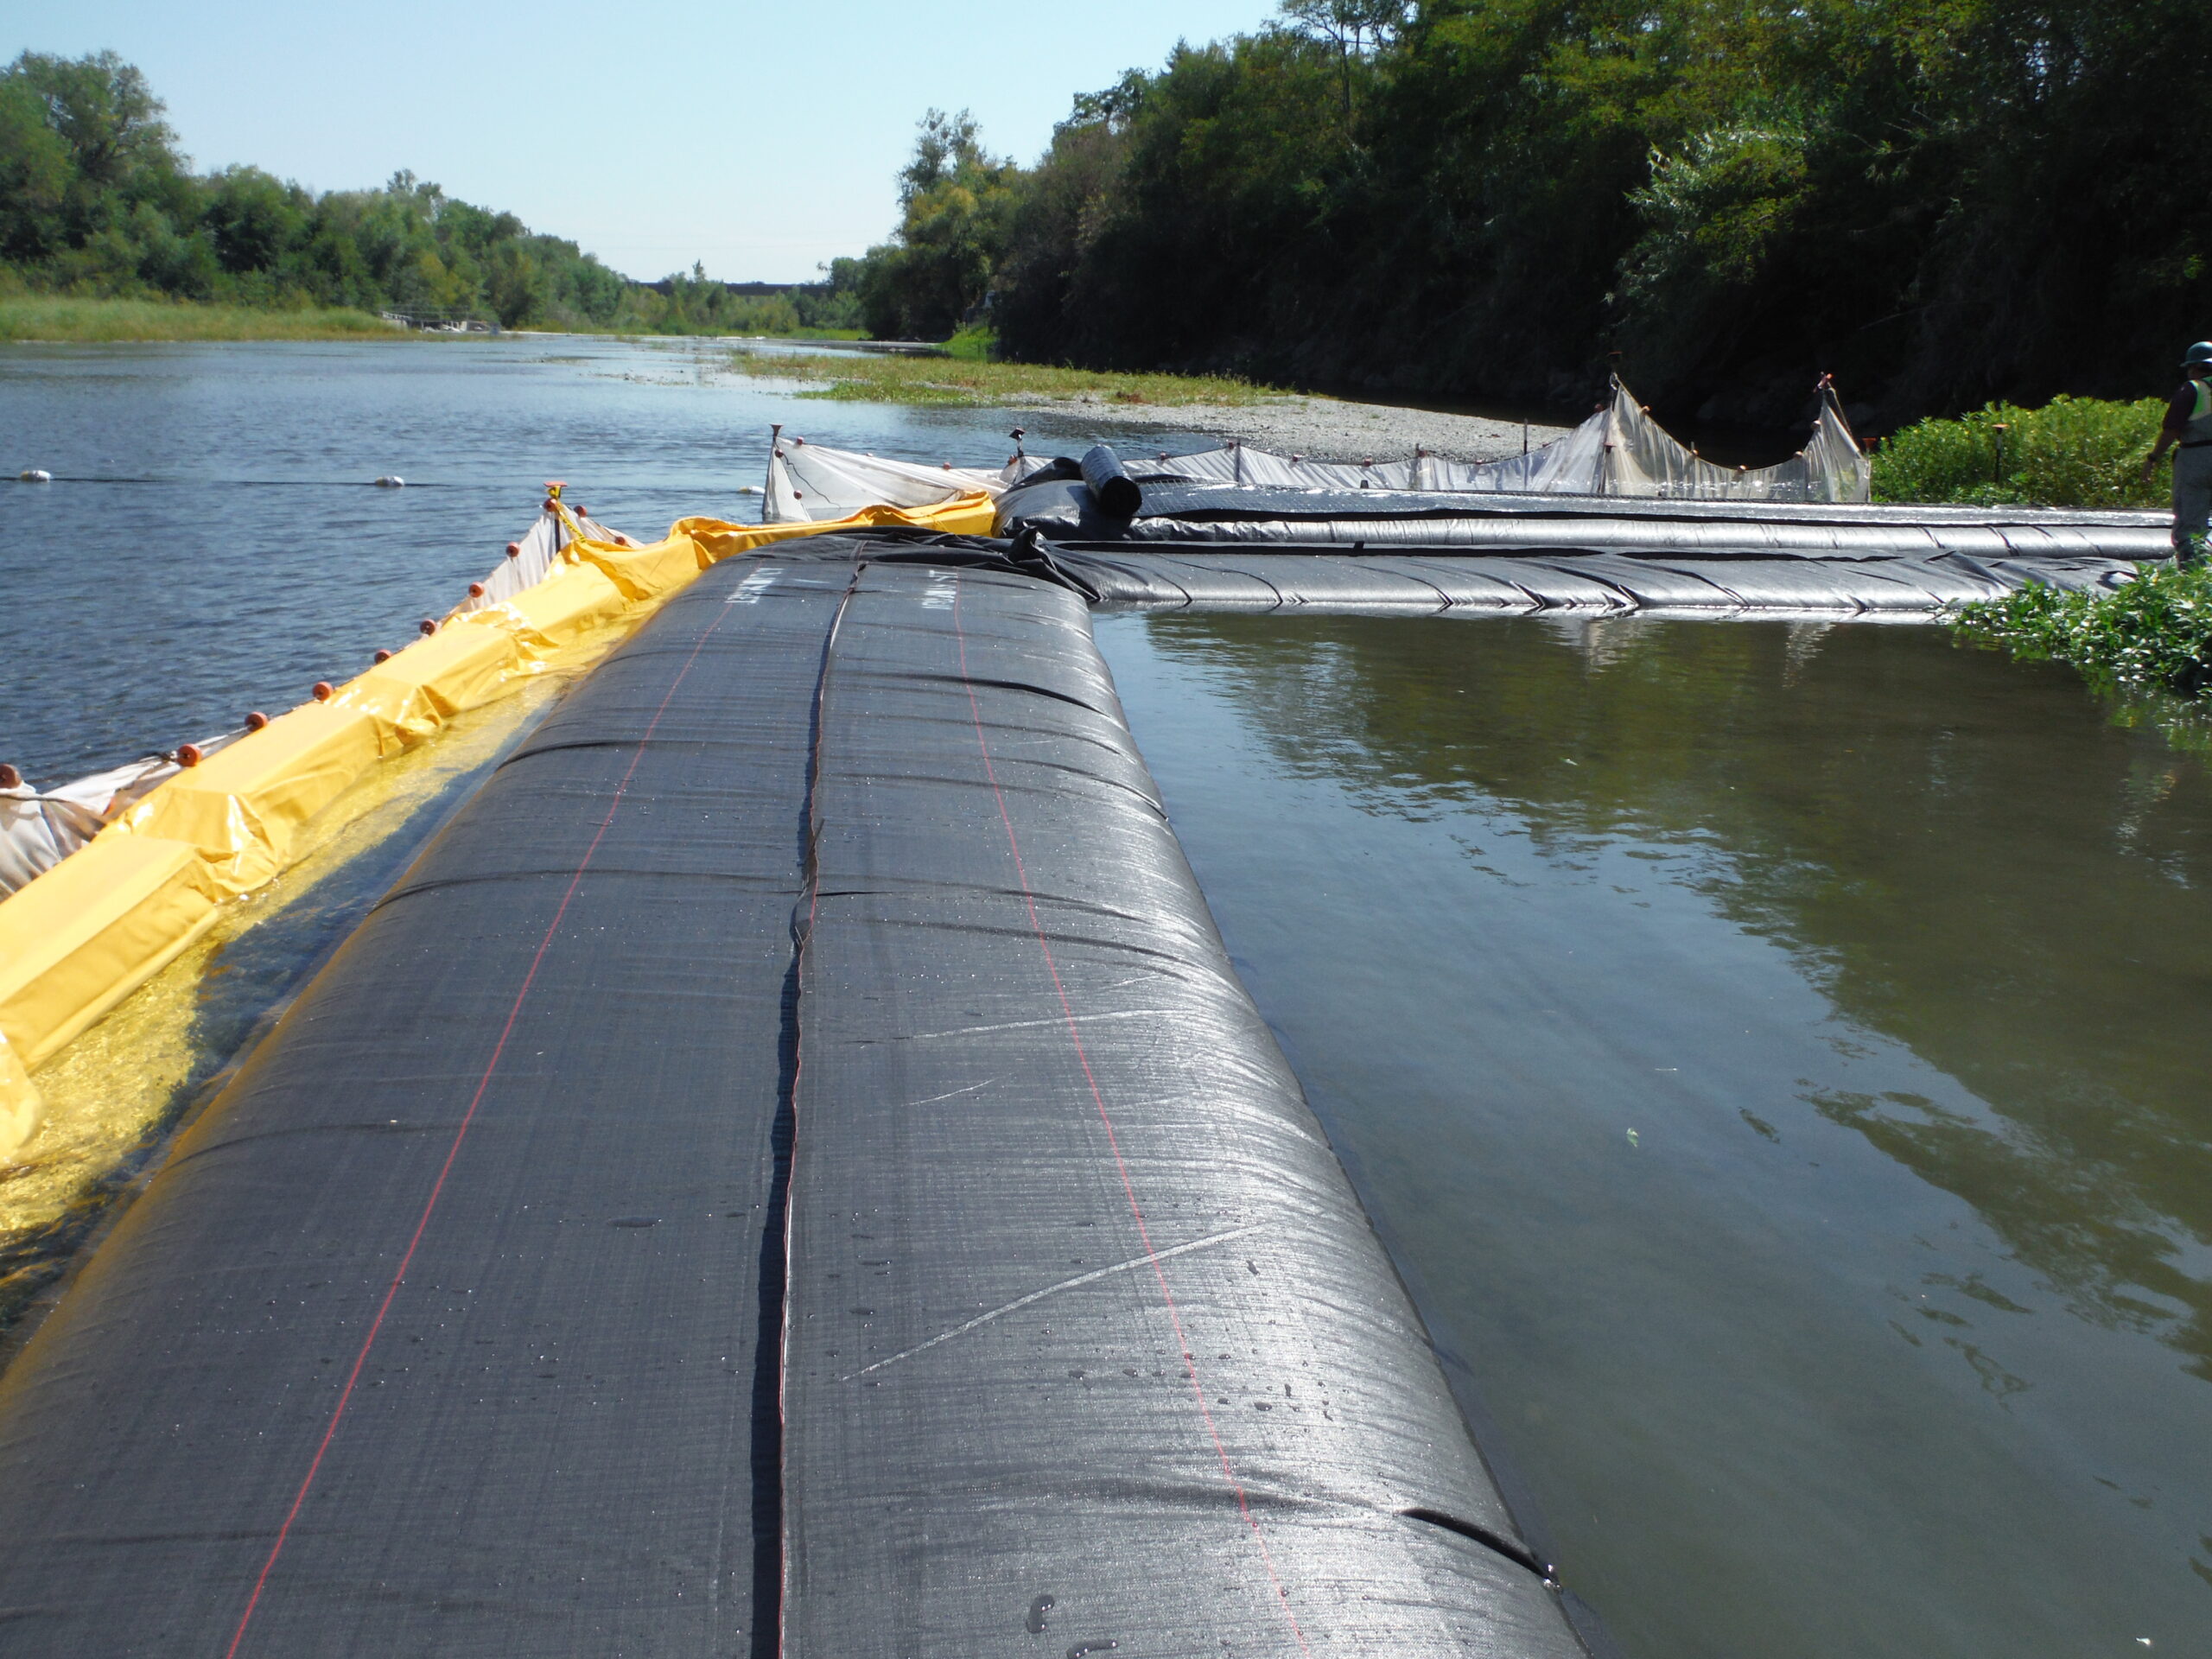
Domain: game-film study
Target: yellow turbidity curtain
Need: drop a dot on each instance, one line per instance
(89, 932)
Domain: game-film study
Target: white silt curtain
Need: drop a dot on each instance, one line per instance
(1619, 451)
(537, 556)
(809, 482)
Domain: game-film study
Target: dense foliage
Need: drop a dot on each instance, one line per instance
(2153, 633)
(95, 200)
(1941, 201)
(954, 202)
(2077, 452)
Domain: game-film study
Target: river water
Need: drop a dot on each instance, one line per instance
(213, 544)
(1776, 1058)
(1773, 1055)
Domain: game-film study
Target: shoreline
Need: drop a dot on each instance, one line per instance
(1309, 424)
(63, 320)
(1141, 403)
(1319, 428)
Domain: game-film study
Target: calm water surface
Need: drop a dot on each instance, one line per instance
(1777, 1057)
(231, 553)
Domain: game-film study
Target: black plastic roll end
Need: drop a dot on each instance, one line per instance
(1114, 490)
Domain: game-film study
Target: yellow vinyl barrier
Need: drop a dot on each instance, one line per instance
(240, 806)
(645, 573)
(89, 932)
(964, 515)
(93, 929)
(19, 1101)
(427, 684)
(572, 600)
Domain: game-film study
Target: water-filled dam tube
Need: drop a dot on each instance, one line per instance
(1417, 580)
(1174, 511)
(442, 1330)
(1086, 1326)
(790, 1166)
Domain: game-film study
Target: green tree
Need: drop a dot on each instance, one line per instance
(36, 173)
(1355, 28)
(1943, 201)
(955, 205)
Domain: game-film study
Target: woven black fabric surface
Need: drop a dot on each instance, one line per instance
(1091, 1342)
(549, 1447)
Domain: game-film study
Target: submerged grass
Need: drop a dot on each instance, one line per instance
(975, 380)
(61, 318)
(2145, 648)
(2153, 633)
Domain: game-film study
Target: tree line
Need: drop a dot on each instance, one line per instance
(95, 199)
(1940, 201)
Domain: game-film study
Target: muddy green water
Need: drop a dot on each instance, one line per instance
(1776, 1058)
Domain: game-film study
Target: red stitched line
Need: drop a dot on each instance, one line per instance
(1113, 1141)
(438, 1187)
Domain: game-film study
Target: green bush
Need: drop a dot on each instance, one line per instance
(2155, 633)
(2075, 452)
(976, 344)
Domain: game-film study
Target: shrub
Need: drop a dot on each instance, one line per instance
(2075, 452)
(977, 345)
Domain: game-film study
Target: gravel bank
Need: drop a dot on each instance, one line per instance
(1321, 428)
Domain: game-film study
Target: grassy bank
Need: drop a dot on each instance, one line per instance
(54, 317)
(975, 380)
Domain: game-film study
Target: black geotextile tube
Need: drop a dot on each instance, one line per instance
(1416, 582)
(442, 1330)
(1090, 1343)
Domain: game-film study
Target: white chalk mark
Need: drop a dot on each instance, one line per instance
(748, 592)
(950, 1094)
(1020, 1302)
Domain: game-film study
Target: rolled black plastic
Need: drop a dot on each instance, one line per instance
(1113, 491)
(1505, 522)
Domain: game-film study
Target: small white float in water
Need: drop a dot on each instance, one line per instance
(35, 475)
(391, 482)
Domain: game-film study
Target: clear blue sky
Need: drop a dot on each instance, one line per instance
(759, 139)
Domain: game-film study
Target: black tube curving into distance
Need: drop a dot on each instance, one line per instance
(1114, 490)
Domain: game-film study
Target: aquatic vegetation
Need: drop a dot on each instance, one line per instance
(2154, 634)
(871, 378)
(2074, 452)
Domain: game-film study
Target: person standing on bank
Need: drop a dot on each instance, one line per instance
(2188, 431)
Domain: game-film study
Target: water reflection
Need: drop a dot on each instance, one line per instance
(1962, 855)
(1782, 1078)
